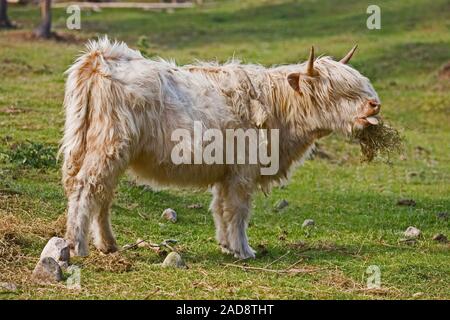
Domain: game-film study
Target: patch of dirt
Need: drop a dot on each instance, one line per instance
(21, 35)
(14, 67)
(12, 109)
(406, 202)
(443, 79)
(444, 72)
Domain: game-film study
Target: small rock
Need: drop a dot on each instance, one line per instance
(443, 215)
(308, 223)
(406, 202)
(412, 233)
(444, 72)
(283, 235)
(440, 237)
(195, 206)
(173, 260)
(141, 243)
(8, 286)
(417, 294)
(59, 250)
(47, 270)
(169, 214)
(262, 250)
(281, 204)
(127, 246)
(413, 174)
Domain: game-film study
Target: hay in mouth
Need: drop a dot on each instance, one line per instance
(379, 141)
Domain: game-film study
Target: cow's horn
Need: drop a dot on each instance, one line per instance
(310, 70)
(349, 55)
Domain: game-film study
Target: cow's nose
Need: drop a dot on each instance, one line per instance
(375, 105)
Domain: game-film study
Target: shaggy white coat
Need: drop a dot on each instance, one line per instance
(122, 108)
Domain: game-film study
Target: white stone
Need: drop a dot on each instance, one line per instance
(308, 223)
(174, 260)
(47, 270)
(281, 204)
(59, 250)
(8, 286)
(169, 214)
(412, 233)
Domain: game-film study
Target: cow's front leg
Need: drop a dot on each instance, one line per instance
(236, 214)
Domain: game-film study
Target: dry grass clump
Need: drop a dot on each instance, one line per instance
(12, 260)
(113, 262)
(17, 234)
(338, 280)
(379, 141)
(10, 239)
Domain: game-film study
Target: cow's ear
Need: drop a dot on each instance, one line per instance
(294, 81)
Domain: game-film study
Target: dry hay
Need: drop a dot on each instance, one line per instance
(16, 235)
(13, 262)
(339, 281)
(10, 241)
(379, 141)
(112, 262)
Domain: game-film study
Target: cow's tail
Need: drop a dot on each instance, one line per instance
(91, 95)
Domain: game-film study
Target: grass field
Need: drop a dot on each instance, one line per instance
(358, 223)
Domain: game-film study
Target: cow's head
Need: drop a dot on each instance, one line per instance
(339, 95)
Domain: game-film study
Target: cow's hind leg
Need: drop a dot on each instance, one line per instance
(90, 195)
(101, 229)
(217, 211)
(236, 214)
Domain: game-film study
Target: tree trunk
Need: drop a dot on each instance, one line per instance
(45, 28)
(4, 20)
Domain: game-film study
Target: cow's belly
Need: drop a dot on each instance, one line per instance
(146, 170)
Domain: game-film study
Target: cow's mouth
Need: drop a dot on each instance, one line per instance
(370, 118)
(367, 121)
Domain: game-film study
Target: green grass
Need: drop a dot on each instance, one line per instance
(358, 223)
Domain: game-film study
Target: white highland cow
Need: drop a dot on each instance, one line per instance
(122, 109)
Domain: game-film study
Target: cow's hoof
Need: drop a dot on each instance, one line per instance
(79, 250)
(247, 253)
(108, 248)
(224, 249)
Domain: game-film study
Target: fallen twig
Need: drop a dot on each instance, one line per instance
(165, 243)
(278, 259)
(287, 270)
(143, 216)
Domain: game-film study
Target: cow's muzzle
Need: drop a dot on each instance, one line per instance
(371, 109)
